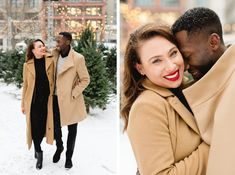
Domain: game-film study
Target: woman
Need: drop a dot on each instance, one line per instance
(37, 97)
(158, 120)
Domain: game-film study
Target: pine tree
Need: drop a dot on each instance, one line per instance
(11, 67)
(111, 65)
(97, 93)
(110, 57)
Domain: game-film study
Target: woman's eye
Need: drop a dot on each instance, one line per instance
(156, 61)
(174, 53)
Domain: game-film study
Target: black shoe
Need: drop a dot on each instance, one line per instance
(39, 160)
(68, 163)
(57, 154)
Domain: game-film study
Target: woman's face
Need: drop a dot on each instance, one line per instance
(39, 49)
(161, 62)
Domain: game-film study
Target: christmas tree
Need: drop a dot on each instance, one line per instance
(97, 93)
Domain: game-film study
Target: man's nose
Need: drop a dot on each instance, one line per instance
(186, 66)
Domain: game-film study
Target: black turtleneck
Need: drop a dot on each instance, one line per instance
(41, 89)
(178, 93)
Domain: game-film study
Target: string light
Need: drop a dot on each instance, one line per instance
(74, 18)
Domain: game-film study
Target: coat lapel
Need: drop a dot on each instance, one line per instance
(48, 63)
(55, 55)
(174, 102)
(183, 112)
(30, 66)
(67, 64)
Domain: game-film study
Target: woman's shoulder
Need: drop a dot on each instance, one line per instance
(149, 96)
(147, 101)
(148, 108)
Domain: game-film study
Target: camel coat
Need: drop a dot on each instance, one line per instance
(212, 100)
(164, 136)
(27, 94)
(71, 102)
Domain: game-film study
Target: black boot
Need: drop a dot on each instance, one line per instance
(39, 160)
(57, 154)
(68, 163)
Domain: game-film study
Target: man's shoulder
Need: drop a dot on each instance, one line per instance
(77, 55)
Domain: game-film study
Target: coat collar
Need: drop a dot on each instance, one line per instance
(30, 64)
(68, 62)
(174, 102)
(214, 80)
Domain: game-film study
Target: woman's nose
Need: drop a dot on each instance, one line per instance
(170, 65)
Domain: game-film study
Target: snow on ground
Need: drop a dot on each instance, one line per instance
(95, 150)
(127, 159)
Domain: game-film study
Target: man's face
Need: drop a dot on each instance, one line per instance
(61, 42)
(197, 53)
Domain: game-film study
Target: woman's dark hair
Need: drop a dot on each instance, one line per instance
(132, 78)
(29, 52)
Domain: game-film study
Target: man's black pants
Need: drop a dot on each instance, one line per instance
(72, 131)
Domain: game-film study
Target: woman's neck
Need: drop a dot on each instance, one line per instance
(38, 57)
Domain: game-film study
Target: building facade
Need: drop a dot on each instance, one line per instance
(18, 21)
(21, 20)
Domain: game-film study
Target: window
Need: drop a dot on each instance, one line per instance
(70, 11)
(93, 11)
(33, 3)
(144, 2)
(74, 24)
(94, 23)
(31, 15)
(74, 0)
(2, 3)
(201, 3)
(94, 0)
(170, 3)
(15, 3)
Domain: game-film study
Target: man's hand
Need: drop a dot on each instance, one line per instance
(23, 110)
(75, 84)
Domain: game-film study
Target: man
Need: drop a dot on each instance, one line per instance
(71, 78)
(199, 34)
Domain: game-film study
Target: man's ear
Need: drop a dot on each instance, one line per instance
(139, 68)
(214, 41)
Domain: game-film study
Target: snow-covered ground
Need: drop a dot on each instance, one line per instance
(127, 159)
(96, 144)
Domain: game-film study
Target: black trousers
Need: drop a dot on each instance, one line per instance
(72, 131)
(38, 125)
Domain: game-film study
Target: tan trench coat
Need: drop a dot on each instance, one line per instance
(27, 94)
(71, 102)
(212, 100)
(164, 136)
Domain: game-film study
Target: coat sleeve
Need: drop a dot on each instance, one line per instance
(148, 131)
(83, 77)
(25, 84)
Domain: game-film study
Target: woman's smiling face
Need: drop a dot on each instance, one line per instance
(161, 62)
